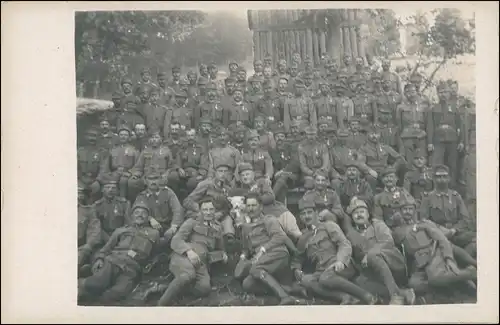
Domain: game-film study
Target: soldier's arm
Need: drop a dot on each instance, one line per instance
(313, 117)
(246, 245)
(326, 158)
(440, 238)
(361, 159)
(344, 251)
(138, 168)
(299, 257)
(286, 116)
(211, 168)
(191, 202)
(204, 164)
(266, 193)
(94, 234)
(128, 213)
(111, 243)
(399, 160)
(176, 208)
(179, 242)
(366, 194)
(424, 208)
(269, 165)
(303, 162)
(383, 236)
(407, 182)
(465, 222)
(378, 212)
(275, 231)
(166, 123)
(337, 206)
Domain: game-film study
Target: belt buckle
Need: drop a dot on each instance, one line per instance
(445, 126)
(329, 118)
(364, 115)
(416, 125)
(271, 118)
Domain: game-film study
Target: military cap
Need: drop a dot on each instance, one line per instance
(192, 73)
(268, 84)
(308, 60)
(143, 88)
(237, 128)
(259, 79)
(384, 109)
(284, 77)
(442, 85)
(181, 93)
(122, 128)
(310, 130)
(184, 82)
(234, 63)
(202, 65)
(352, 163)
(441, 170)
(419, 153)
(282, 62)
(342, 133)
(407, 200)
(241, 69)
(145, 69)
(212, 65)
(224, 164)
(109, 178)
(176, 69)
(211, 86)
(92, 131)
(320, 172)
(230, 80)
(237, 191)
(141, 204)
(116, 95)
(370, 129)
(299, 83)
(306, 204)
(126, 81)
(202, 80)
(295, 123)
(307, 75)
(104, 117)
(376, 75)
(153, 176)
(205, 120)
(255, 62)
(279, 129)
(252, 134)
(244, 166)
(356, 204)
(354, 119)
(238, 88)
(161, 73)
(388, 170)
(259, 117)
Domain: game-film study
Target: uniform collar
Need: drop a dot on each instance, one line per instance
(442, 193)
(361, 227)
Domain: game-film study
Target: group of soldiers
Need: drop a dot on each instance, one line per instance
(199, 168)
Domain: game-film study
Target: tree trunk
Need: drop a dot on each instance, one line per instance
(433, 74)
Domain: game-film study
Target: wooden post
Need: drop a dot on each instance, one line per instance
(256, 46)
(269, 42)
(316, 47)
(341, 43)
(345, 32)
(361, 47)
(352, 34)
(309, 41)
(322, 42)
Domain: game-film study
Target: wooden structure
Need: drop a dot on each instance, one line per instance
(311, 33)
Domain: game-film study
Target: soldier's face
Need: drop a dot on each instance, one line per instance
(253, 207)
(176, 75)
(238, 96)
(140, 216)
(411, 92)
(352, 172)
(240, 136)
(282, 84)
(221, 173)
(192, 78)
(294, 71)
(308, 216)
(247, 177)
(242, 76)
(146, 76)
(454, 89)
(124, 136)
(308, 81)
(144, 96)
(191, 136)
(140, 130)
(162, 81)
(253, 142)
(116, 102)
(180, 100)
(324, 89)
(155, 140)
(355, 125)
(408, 212)
(359, 62)
(127, 88)
(280, 138)
(311, 136)
(322, 128)
(205, 128)
(207, 211)
(268, 62)
(347, 60)
(320, 182)
(175, 129)
(104, 125)
(203, 71)
(386, 65)
(282, 68)
(109, 190)
(268, 72)
(441, 179)
(211, 94)
(374, 137)
(389, 180)
(259, 125)
(153, 185)
(360, 216)
(419, 162)
(268, 91)
(257, 67)
(296, 57)
(224, 138)
(308, 66)
(386, 85)
(213, 71)
(233, 67)
(443, 94)
(256, 86)
(154, 97)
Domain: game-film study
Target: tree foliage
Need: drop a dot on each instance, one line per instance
(382, 38)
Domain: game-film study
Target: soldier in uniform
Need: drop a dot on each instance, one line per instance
(128, 115)
(240, 111)
(326, 199)
(328, 106)
(89, 229)
(311, 88)
(260, 159)
(90, 160)
(428, 251)
(194, 161)
(154, 113)
(258, 67)
(107, 139)
(469, 168)
(157, 158)
(121, 160)
(365, 108)
(210, 107)
(392, 77)
(389, 132)
(299, 108)
(286, 164)
(268, 60)
(112, 211)
(202, 89)
(446, 208)
(241, 78)
(354, 186)
(293, 74)
(166, 213)
(387, 202)
(266, 137)
(377, 156)
(376, 255)
(205, 131)
(357, 134)
(166, 93)
(145, 81)
(213, 77)
(411, 118)
(127, 93)
(445, 133)
(255, 93)
(388, 99)
(346, 105)
(223, 152)
(194, 247)
(140, 139)
(325, 245)
(268, 74)
(233, 69)
(216, 187)
(342, 153)
(175, 84)
(178, 113)
(239, 139)
(418, 179)
(281, 71)
(313, 156)
(119, 263)
(192, 90)
(264, 244)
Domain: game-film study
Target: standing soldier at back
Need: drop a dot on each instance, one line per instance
(346, 104)
(153, 112)
(270, 105)
(194, 161)
(388, 99)
(166, 93)
(389, 132)
(192, 89)
(178, 113)
(328, 107)
(445, 131)
(145, 81)
(240, 111)
(260, 159)
(418, 179)
(299, 108)
(175, 84)
(313, 156)
(255, 92)
(392, 77)
(90, 164)
(365, 108)
(210, 108)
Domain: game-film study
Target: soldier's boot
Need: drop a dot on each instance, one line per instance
(397, 299)
(463, 256)
(280, 188)
(174, 289)
(409, 296)
(336, 282)
(278, 290)
(378, 264)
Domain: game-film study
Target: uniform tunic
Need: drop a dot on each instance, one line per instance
(164, 205)
(113, 214)
(300, 109)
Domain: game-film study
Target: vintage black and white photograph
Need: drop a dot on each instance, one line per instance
(276, 157)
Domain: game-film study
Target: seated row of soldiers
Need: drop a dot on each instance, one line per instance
(386, 247)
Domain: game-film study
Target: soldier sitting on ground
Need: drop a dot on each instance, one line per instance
(89, 229)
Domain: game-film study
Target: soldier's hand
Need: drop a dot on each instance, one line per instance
(298, 275)
(256, 257)
(278, 173)
(170, 232)
(452, 266)
(225, 258)
(373, 173)
(155, 224)
(430, 147)
(193, 257)
(364, 261)
(97, 265)
(181, 172)
(337, 266)
(460, 146)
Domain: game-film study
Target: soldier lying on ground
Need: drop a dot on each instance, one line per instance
(326, 246)
(119, 263)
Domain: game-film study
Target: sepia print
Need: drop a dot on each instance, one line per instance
(276, 157)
